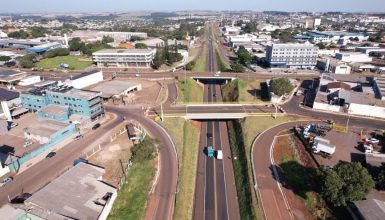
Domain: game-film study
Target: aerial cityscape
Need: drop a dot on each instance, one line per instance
(203, 110)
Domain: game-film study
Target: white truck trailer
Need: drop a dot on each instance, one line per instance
(321, 147)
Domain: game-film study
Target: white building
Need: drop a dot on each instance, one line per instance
(351, 97)
(9, 102)
(331, 65)
(120, 36)
(3, 34)
(29, 80)
(353, 57)
(292, 55)
(85, 79)
(317, 22)
(124, 58)
(231, 30)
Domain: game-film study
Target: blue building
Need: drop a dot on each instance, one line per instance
(62, 102)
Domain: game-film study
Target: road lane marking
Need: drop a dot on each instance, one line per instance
(215, 177)
(224, 175)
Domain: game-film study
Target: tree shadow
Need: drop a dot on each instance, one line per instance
(295, 177)
(254, 92)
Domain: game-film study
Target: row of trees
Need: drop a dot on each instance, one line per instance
(166, 55)
(34, 33)
(87, 49)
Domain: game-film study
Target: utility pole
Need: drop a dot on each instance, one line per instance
(161, 111)
(347, 124)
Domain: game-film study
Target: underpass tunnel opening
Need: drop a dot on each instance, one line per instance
(213, 81)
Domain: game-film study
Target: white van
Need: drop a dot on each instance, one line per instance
(219, 155)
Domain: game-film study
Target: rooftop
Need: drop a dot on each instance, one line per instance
(84, 74)
(6, 95)
(57, 110)
(123, 51)
(294, 45)
(74, 193)
(46, 128)
(115, 87)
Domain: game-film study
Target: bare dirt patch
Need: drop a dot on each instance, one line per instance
(111, 156)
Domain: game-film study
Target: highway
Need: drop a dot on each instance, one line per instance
(215, 192)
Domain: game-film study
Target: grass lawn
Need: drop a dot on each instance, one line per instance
(243, 91)
(200, 63)
(189, 91)
(133, 196)
(74, 62)
(186, 137)
(251, 128)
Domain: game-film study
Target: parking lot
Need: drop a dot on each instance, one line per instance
(346, 148)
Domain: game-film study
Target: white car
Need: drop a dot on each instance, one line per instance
(27, 143)
(137, 75)
(373, 140)
(219, 155)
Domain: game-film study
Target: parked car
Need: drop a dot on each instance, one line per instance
(78, 137)
(6, 181)
(50, 155)
(27, 143)
(21, 198)
(137, 75)
(97, 125)
(12, 124)
(373, 140)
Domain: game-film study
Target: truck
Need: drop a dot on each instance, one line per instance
(321, 147)
(210, 151)
(219, 155)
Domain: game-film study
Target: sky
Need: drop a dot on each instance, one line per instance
(20, 6)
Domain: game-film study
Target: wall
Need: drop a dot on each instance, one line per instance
(367, 110)
(86, 80)
(327, 107)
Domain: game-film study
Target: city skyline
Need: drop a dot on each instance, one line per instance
(72, 6)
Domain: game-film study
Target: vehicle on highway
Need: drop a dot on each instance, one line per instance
(210, 151)
(50, 155)
(209, 135)
(219, 155)
(27, 143)
(6, 181)
(137, 75)
(21, 198)
(78, 137)
(96, 126)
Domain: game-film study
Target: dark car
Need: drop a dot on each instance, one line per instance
(50, 154)
(209, 135)
(97, 125)
(78, 137)
(21, 198)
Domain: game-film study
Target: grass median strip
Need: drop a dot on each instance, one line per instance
(185, 134)
(189, 91)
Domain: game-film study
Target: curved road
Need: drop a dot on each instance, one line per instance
(162, 199)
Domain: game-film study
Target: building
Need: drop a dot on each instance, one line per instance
(79, 102)
(85, 79)
(124, 58)
(44, 47)
(116, 88)
(353, 57)
(334, 36)
(79, 193)
(368, 50)
(122, 36)
(356, 96)
(10, 104)
(11, 76)
(292, 55)
(18, 44)
(331, 65)
(317, 22)
(29, 80)
(309, 23)
(379, 83)
(49, 131)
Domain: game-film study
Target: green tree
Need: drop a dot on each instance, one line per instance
(237, 67)
(56, 52)
(141, 46)
(18, 34)
(250, 27)
(243, 55)
(107, 39)
(27, 61)
(144, 151)
(158, 59)
(321, 46)
(38, 32)
(285, 37)
(346, 182)
(190, 65)
(75, 44)
(5, 58)
(281, 86)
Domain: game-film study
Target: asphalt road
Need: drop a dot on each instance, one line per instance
(162, 199)
(46, 170)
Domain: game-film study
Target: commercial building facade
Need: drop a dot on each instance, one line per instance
(124, 58)
(353, 57)
(292, 55)
(79, 102)
(122, 35)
